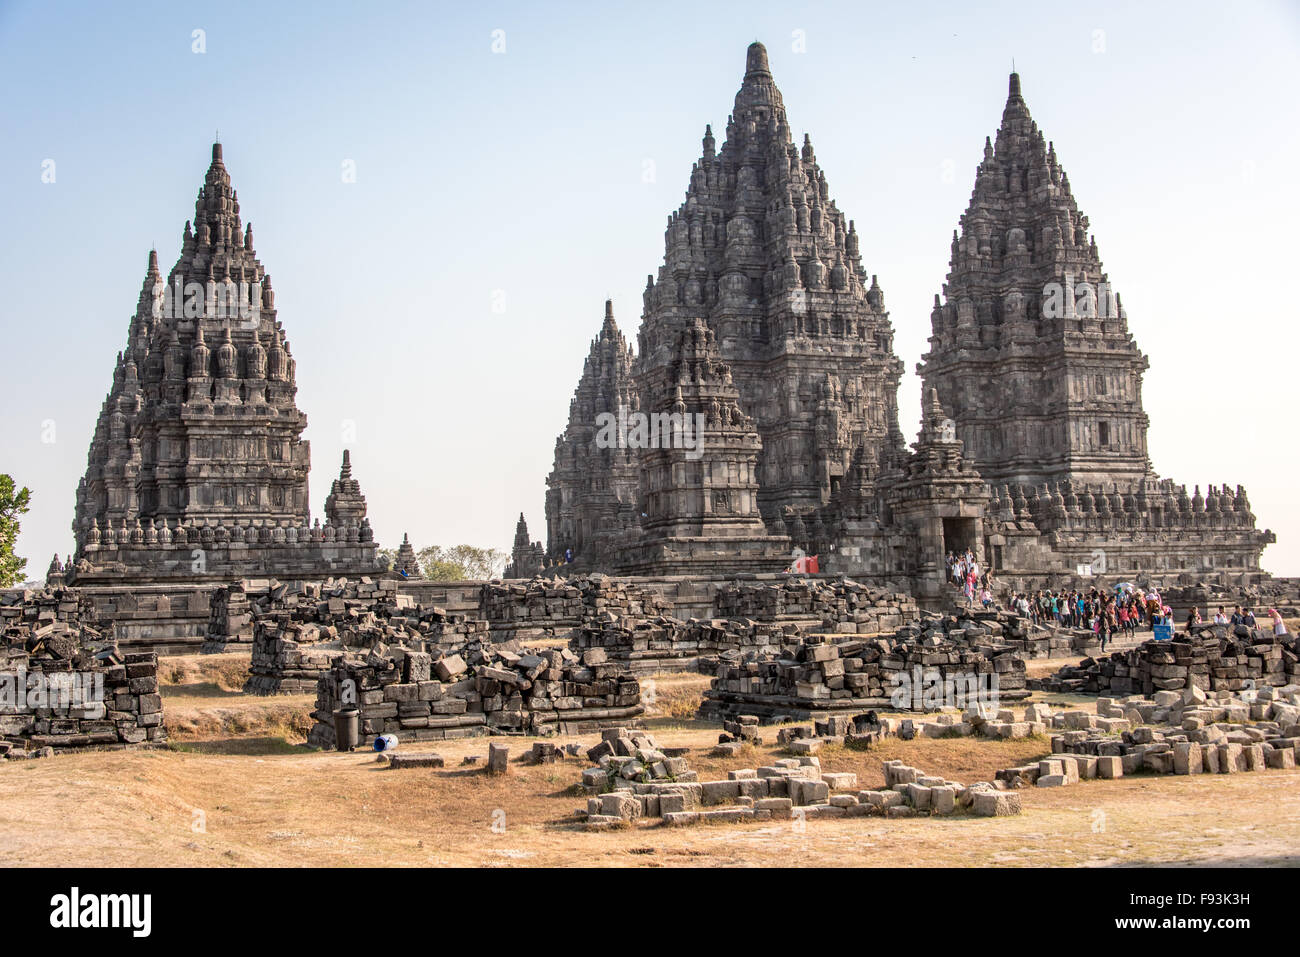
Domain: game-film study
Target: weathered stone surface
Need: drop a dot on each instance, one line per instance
(498, 759)
(415, 759)
(996, 803)
(198, 444)
(75, 688)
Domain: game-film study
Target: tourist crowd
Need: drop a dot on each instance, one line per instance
(1107, 613)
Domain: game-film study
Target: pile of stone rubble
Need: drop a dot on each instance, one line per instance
(1213, 658)
(551, 608)
(64, 685)
(789, 788)
(650, 645)
(999, 629)
(842, 606)
(300, 628)
(483, 689)
(817, 675)
(1187, 732)
(45, 614)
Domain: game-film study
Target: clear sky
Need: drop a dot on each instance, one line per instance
(441, 305)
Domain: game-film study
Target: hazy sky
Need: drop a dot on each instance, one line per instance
(442, 304)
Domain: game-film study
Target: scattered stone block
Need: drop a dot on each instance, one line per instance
(415, 759)
(995, 803)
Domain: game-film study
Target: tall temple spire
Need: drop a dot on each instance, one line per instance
(758, 103)
(761, 252)
(180, 402)
(1029, 351)
(592, 488)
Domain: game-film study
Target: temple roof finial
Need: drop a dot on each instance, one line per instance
(756, 59)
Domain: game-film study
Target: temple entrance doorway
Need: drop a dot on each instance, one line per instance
(960, 534)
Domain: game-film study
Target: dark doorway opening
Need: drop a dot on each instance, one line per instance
(960, 534)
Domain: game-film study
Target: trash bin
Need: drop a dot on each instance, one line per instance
(347, 728)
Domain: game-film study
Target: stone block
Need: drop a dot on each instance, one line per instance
(805, 792)
(1070, 768)
(995, 803)
(918, 795)
(943, 799)
(450, 667)
(498, 759)
(671, 801)
(780, 807)
(1187, 758)
(680, 818)
(620, 804)
(415, 759)
(1210, 757)
(1230, 759)
(1282, 758)
(719, 792)
(726, 815)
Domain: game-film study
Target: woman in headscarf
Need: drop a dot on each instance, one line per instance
(1279, 626)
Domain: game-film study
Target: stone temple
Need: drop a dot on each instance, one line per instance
(755, 421)
(762, 320)
(197, 470)
(1035, 397)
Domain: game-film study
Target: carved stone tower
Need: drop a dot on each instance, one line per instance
(1030, 350)
(591, 493)
(761, 253)
(199, 441)
(699, 482)
(345, 505)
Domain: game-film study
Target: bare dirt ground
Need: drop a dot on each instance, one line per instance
(239, 789)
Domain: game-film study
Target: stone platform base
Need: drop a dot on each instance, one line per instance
(578, 721)
(774, 707)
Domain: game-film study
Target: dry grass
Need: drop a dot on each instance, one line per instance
(203, 702)
(677, 695)
(227, 672)
(287, 718)
(266, 804)
(1042, 667)
(238, 790)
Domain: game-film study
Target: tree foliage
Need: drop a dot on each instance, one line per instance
(459, 563)
(14, 502)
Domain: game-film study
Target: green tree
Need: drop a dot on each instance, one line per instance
(12, 505)
(460, 563)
